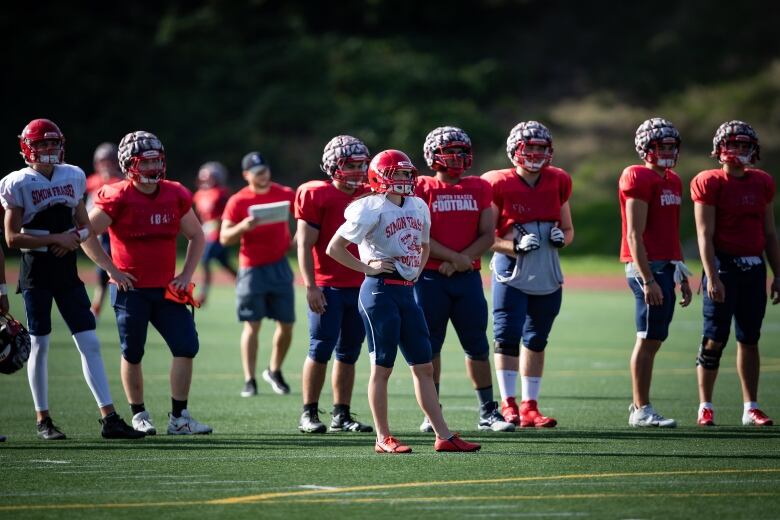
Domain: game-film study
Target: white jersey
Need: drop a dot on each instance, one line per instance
(383, 230)
(32, 191)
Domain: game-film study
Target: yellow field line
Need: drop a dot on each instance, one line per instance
(273, 497)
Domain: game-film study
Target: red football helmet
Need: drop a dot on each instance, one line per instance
(382, 170)
(42, 130)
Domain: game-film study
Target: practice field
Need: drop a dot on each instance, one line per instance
(256, 464)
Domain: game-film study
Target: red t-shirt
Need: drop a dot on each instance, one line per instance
(265, 244)
(209, 205)
(518, 202)
(322, 205)
(95, 182)
(144, 228)
(740, 208)
(455, 211)
(663, 196)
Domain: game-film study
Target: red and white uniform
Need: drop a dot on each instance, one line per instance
(144, 229)
(322, 205)
(518, 202)
(37, 194)
(663, 196)
(455, 211)
(740, 208)
(264, 244)
(383, 230)
(209, 206)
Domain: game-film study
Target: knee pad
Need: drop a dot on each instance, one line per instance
(349, 357)
(505, 349)
(536, 346)
(483, 356)
(709, 359)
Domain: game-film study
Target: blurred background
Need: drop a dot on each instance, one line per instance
(215, 80)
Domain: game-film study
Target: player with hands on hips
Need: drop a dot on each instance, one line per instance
(650, 196)
(450, 287)
(143, 216)
(331, 288)
(735, 225)
(392, 230)
(46, 218)
(533, 221)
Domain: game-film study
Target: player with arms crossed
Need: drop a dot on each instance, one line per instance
(735, 225)
(392, 230)
(533, 222)
(450, 287)
(650, 197)
(45, 217)
(331, 288)
(143, 216)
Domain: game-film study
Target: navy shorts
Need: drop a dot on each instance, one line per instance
(137, 308)
(72, 302)
(520, 316)
(339, 328)
(745, 302)
(459, 298)
(392, 318)
(266, 291)
(214, 251)
(652, 321)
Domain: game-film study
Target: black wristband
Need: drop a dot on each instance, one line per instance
(651, 281)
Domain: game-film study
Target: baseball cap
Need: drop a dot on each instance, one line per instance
(253, 162)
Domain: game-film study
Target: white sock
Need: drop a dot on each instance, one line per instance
(38, 371)
(507, 383)
(751, 405)
(704, 405)
(531, 387)
(92, 366)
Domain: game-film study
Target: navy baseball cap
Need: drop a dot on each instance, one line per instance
(253, 162)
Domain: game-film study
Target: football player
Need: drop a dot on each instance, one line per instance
(533, 221)
(392, 230)
(264, 287)
(107, 171)
(650, 197)
(46, 218)
(210, 199)
(144, 215)
(450, 287)
(735, 225)
(331, 288)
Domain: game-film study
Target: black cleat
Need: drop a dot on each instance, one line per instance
(310, 422)
(250, 388)
(277, 382)
(116, 428)
(48, 432)
(345, 422)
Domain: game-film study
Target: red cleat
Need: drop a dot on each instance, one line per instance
(706, 417)
(391, 445)
(455, 443)
(510, 411)
(531, 418)
(755, 417)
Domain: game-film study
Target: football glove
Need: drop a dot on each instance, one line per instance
(681, 272)
(557, 237)
(524, 242)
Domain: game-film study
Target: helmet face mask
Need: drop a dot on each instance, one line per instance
(345, 159)
(392, 172)
(663, 153)
(736, 143)
(657, 142)
(530, 146)
(142, 157)
(447, 149)
(42, 142)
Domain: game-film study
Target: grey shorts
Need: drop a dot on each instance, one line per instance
(266, 291)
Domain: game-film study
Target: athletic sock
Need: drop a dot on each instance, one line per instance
(92, 366)
(177, 407)
(485, 395)
(137, 408)
(530, 388)
(311, 407)
(507, 383)
(38, 371)
(750, 405)
(340, 409)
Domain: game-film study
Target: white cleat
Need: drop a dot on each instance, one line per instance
(142, 422)
(646, 417)
(426, 426)
(186, 425)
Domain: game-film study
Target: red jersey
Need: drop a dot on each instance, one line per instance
(96, 181)
(663, 196)
(322, 205)
(144, 228)
(209, 205)
(264, 244)
(740, 207)
(455, 211)
(518, 202)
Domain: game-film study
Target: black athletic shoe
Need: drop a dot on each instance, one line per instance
(276, 381)
(310, 422)
(48, 432)
(250, 388)
(116, 428)
(345, 422)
